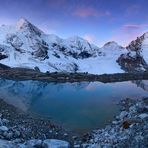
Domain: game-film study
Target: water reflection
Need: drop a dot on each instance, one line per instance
(77, 106)
(142, 83)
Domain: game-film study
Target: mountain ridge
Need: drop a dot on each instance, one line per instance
(24, 45)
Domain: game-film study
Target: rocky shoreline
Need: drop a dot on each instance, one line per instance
(18, 127)
(129, 129)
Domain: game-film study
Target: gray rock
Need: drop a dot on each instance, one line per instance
(134, 136)
(54, 143)
(123, 114)
(37, 69)
(33, 143)
(143, 116)
(132, 109)
(115, 122)
(6, 144)
(3, 128)
(65, 134)
(17, 133)
(5, 121)
(1, 123)
(9, 136)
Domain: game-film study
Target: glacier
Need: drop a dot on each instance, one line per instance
(24, 45)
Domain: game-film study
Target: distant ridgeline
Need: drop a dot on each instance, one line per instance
(26, 46)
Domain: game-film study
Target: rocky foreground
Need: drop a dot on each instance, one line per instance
(129, 129)
(19, 129)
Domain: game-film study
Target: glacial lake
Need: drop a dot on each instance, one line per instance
(79, 107)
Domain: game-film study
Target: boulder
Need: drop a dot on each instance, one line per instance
(54, 143)
(6, 144)
(3, 128)
(143, 116)
(123, 114)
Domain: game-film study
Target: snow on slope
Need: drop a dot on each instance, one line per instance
(27, 46)
(144, 47)
(106, 62)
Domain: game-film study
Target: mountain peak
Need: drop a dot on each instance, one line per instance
(22, 23)
(110, 43)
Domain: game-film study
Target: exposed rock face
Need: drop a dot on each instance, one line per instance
(136, 44)
(132, 64)
(136, 59)
(2, 56)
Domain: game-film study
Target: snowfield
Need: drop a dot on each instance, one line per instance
(27, 46)
(24, 45)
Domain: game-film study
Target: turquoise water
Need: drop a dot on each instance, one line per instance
(76, 106)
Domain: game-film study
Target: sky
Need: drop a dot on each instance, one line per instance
(98, 21)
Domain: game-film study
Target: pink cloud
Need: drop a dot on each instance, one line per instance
(85, 12)
(89, 11)
(131, 26)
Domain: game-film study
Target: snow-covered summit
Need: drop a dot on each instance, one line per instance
(24, 45)
(112, 45)
(25, 26)
(22, 23)
(113, 50)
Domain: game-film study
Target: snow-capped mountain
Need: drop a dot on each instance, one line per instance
(24, 45)
(137, 57)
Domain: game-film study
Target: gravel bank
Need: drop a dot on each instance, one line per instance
(129, 129)
(18, 127)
